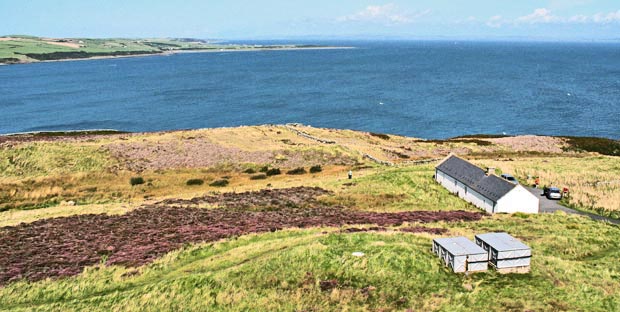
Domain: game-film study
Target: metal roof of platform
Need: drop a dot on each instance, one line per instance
(502, 241)
(459, 246)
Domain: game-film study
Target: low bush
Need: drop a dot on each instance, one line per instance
(195, 182)
(259, 177)
(295, 171)
(273, 171)
(219, 183)
(481, 136)
(264, 169)
(602, 146)
(316, 169)
(136, 181)
(249, 171)
(380, 135)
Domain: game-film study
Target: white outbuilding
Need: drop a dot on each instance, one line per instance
(461, 255)
(483, 188)
(506, 253)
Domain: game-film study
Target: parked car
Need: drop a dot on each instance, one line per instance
(509, 178)
(552, 193)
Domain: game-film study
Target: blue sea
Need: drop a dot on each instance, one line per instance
(428, 89)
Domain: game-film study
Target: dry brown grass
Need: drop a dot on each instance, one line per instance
(593, 181)
(83, 168)
(102, 188)
(15, 217)
(64, 44)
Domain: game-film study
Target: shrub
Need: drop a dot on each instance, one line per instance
(521, 215)
(195, 182)
(299, 170)
(219, 183)
(264, 169)
(136, 181)
(475, 141)
(315, 169)
(259, 177)
(273, 171)
(380, 135)
(249, 171)
(599, 145)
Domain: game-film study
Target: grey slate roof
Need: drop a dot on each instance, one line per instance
(459, 246)
(502, 241)
(491, 186)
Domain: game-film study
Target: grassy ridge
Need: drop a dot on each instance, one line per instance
(81, 169)
(51, 159)
(284, 270)
(18, 49)
(32, 49)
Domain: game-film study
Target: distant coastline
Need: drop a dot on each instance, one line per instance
(26, 50)
(169, 53)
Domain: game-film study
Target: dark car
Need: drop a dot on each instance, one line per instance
(552, 193)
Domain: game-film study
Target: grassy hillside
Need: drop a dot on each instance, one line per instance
(268, 252)
(45, 170)
(20, 49)
(574, 267)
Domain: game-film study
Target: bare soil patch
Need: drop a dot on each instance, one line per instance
(64, 246)
(64, 44)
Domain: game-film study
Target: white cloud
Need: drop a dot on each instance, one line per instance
(579, 19)
(606, 18)
(539, 16)
(387, 13)
(496, 21)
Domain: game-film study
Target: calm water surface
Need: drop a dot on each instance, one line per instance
(421, 89)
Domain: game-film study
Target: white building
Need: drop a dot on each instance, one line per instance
(484, 189)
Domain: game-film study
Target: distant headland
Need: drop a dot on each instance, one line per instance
(18, 49)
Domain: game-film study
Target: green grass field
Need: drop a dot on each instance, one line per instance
(16, 49)
(574, 268)
(19, 47)
(575, 263)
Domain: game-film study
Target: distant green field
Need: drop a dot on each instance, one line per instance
(16, 49)
(20, 48)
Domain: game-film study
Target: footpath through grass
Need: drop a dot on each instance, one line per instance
(574, 267)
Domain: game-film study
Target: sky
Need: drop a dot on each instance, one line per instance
(316, 19)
